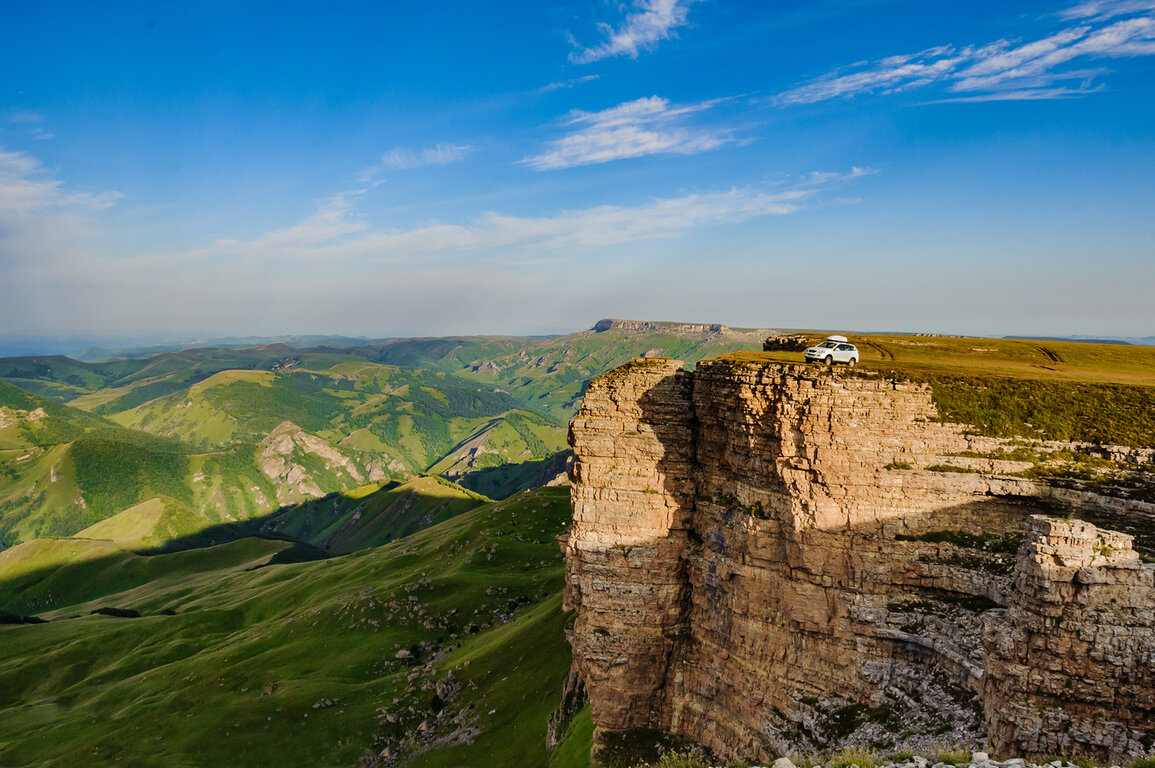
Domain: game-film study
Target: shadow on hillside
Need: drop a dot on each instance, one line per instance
(261, 528)
(76, 578)
(504, 480)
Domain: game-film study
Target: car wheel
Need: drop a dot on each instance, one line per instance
(829, 360)
(851, 362)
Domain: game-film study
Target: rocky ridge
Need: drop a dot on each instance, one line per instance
(768, 558)
(975, 760)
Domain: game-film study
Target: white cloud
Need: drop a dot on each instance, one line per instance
(405, 159)
(27, 188)
(1003, 70)
(334, 235)
(337, 238)
(650, 23)
(815, 178)
(1027, 94)
(1107, 9)
(890, 74)
(646, 126)
(20, 116)
(442, 154)
(40, 220)
(52, 250)
(567, 83)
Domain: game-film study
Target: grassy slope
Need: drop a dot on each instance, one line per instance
(1101, 393)
(1050, 360)
(233, 676)
(472, 392)
(148, 524)
(62, 469)
(407, 419)
(372, 515)
(514, 436)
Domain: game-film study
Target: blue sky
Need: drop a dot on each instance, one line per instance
(432, 168)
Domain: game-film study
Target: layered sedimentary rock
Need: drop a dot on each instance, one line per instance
(772, 557)
(652, 326)
(632, 499)
(1070, 664)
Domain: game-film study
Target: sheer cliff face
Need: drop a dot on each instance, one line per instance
(632, 505)
(757, 549)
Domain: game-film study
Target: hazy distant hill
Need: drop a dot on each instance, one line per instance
(232, 433)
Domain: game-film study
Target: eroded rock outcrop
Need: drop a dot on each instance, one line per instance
(773, 557)
(281, 461)
(1070, 664)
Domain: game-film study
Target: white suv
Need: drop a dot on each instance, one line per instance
(834, 350)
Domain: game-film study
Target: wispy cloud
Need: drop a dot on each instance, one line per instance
(334, 234)
(41, 221)
(1005, 69)
(26, 187)
(651, 22)
(334, 253)
(814, 178)
(646, 126)
(22, 116)
(32, 122)
(1106, 9)
(442, 154)
(561, 84)
(405, 159)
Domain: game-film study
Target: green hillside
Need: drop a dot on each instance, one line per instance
(150, 523)
(233, 433)
(407, 419)
(243, 442)
(1052, 390)
(200, 425)
(446, 648)
(59, 490)
(371, 515)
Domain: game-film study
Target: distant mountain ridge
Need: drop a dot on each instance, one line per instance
(231, 433)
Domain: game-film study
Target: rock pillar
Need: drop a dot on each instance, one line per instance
(632, 508)
(1070, 664)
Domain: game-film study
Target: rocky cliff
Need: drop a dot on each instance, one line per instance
(766, 558)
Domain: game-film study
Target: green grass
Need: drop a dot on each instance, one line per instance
(1143, 761)
(188, 424)
(951, 755)
(1099, 393)
(574, 749)
(232, 676)
(988, 541)
(344, 523)
(150, 523)
(860, 756)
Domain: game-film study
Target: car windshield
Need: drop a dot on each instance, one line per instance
(826, 345)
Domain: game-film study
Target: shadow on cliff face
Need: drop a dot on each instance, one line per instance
(817, 639)
(818, 581)
(869, 635)
(632, 505)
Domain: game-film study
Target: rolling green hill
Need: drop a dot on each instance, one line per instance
(444, 648)
(178, 493)
(61, 489)
(233, 433)
(241, 442)
(371, 515)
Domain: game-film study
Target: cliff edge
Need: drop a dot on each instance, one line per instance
(766, 558)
